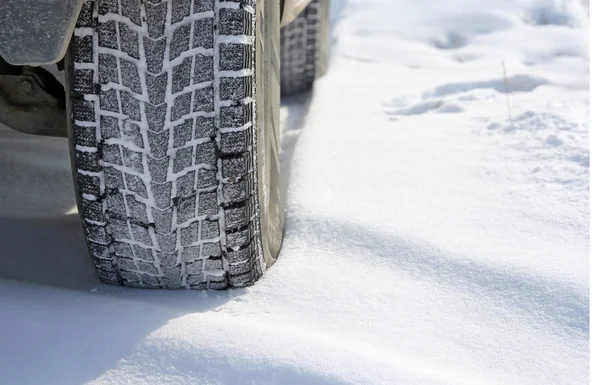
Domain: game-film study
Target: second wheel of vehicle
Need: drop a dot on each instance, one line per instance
(305, 48)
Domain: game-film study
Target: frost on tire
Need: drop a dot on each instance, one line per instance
(162, 104)
(304, 48)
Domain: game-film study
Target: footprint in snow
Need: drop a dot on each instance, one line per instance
(398, 107)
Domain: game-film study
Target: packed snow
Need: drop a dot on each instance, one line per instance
(437, 224)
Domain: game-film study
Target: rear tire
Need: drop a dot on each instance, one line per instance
(305, 48)
(174, 141)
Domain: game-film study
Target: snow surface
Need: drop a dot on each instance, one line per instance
(437, 224)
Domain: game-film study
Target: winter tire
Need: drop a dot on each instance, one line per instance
(304, 48)
(174, 134)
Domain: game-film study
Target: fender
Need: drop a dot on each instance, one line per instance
(36, 32)
(290, 9)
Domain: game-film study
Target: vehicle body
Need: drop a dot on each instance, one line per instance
(36, 32)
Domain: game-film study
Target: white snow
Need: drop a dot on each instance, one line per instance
(437, 224)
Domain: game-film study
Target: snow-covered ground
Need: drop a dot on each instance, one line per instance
(437, 224)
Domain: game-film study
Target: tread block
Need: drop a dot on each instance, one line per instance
(131, 10)
(156, 17)
(207, 203)
(107, 69)
(236, 116)
(130, 106)
(113, 178)
(203, 69)
(133, 160)
(88, 184)
(86, 16)
(236, 192)
(234, 56)
(210, 230)
(203, 34)
(213, 264)
(155, 116)
(186, 209)
(180, 41)
(182, 75)
(235, 88)
(115, 203)
(236, 217)
(235, 167)
(182, 133)
(119, 229)
(129, 41)
(109, 101)
(82, 81)
(104, 264)
(181, 106)
(111, 153)
(84, 49)
(159, 143)
(190, 254)
(206, 178)
(182, 159)
(203, 99)
(130, 76)
(96, 233)
(185, 183)
(235, 142)
(172, 278)
(126, 264)
(162, 194)
(123, 249)
(169, 260)
(108, 6)
(84, 136)
(155, 53)
(163, 220)
(189, 234)
(136, 185)
(143, 253)
(83, 110)
(204, 127)
(87, 161)
(167, 242)
(206, 154)
(159, 169)
(109, 127)
(92, 210)
(179, 10)
(211, 249)
(203, 5)
(156, 86)
(132, 132)
(148, 268)
(107, 35)
(234, 21)
(137, 210)
(238, 239)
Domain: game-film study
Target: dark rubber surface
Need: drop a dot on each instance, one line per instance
(163, 129)
(304, 48)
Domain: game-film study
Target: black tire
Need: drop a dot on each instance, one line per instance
(305, 48)
(169, 166)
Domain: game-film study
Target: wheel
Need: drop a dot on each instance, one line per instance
(173, 110)
(304, 48)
